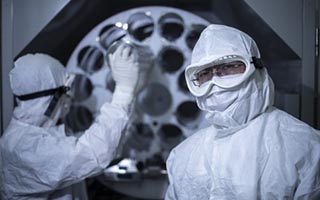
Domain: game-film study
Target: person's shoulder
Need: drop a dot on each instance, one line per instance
(12, 136)
(296, 130)
(19, 136)
(290, 138)
(195, 141)
(291, 124)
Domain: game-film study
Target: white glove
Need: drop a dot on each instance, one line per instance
(125, 73)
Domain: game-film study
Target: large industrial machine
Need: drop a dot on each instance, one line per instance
(163, 34)
(164, 112)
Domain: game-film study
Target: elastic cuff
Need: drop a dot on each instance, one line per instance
(122, 96)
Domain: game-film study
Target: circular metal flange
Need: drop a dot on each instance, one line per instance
(165, 112)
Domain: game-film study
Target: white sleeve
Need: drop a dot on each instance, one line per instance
(45, 163)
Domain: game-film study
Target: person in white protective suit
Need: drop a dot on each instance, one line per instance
(37, 159)
(248, 149)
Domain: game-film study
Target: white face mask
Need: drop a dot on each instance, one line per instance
(236, 106)
(218, 99)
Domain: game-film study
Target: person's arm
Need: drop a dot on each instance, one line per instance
(45, 163)
(49, 163)
(125, 73)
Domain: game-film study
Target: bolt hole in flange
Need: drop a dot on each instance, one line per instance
(187, 114)
(171, 26)
(90, 59)
(140, 26)
(109, 34)
(194, 34)
(78, 119)
(170, 59)
(81, 88)
(155, 99)
(170, 135)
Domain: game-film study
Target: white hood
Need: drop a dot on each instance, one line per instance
(26, 78)
(238, 105)
(217, 41)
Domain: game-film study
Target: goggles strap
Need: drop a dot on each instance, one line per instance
(56, 92)
(257, 62)
(57, 95)
(62, 89)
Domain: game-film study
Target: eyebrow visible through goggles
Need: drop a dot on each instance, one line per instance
(221, 70)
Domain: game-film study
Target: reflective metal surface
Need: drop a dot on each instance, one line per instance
(165, 113)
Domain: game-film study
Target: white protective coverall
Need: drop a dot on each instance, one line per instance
(250, 149)
(43, 163)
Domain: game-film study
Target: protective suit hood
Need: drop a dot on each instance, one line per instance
(26, 78)
(235, 106)
(217, 41)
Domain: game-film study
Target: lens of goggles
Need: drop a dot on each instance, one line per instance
(225, 72)
(222, 70)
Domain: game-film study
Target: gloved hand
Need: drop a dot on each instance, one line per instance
(125, 73)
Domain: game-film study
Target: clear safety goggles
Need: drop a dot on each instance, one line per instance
(225, 72)
(225, 69)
